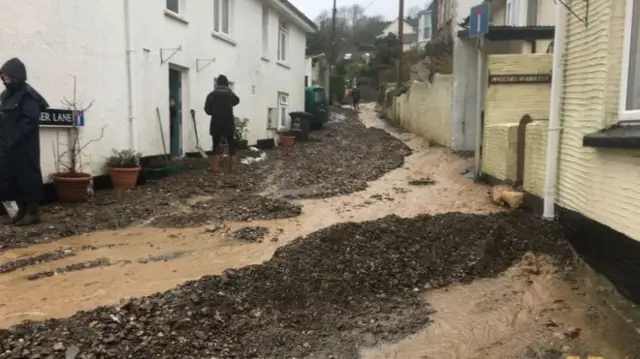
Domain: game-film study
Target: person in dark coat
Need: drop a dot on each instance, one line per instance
(219, 105)
(20, 174)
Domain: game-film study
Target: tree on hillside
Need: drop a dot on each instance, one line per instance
(353, 28)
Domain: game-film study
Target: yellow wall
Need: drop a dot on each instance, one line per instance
(426, 109)
(535, 157)
(602, 184)
(506, 105)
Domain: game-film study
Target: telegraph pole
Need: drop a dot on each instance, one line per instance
(400, 40)
(332, 53)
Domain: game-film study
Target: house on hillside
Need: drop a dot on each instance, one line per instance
(129, 70)
(425, 25)
(409, 33)
(317, 73)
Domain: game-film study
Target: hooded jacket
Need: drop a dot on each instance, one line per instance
(219, 105)
(20, 109)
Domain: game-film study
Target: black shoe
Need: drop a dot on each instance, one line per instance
(31, 216)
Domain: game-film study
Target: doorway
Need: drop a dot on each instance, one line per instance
(175, 112)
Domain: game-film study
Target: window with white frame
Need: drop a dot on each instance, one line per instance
(173, 5)
(283, 109)
(283, 38)
(426, 26)
(630, 82)
(222, 16)
(265, 30)
(516, 13)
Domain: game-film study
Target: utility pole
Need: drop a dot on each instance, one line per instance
(332, 53)
(400, 40)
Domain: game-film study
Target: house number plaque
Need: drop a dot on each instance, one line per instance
(519, 79)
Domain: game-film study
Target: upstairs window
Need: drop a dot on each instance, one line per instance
(283, 39)
(173, 5)
(222, 16)
(265, 30)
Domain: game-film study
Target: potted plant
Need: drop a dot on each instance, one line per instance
(124, 168)
(286, 138)
(70, 181)
(242, 131)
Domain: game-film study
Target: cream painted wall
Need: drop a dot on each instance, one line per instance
(504, 107)
(63, 38)
(426, 109)
(602, 184)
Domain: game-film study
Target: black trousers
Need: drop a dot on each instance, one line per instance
(231, 142)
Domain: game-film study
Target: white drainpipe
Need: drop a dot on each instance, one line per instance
(131, 110)
(553, 133)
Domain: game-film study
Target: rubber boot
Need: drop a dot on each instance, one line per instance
(215, 163)
(22, 211)
(234, 161)
(32, 215)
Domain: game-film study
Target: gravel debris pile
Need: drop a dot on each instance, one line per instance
(345, 156)
(324, 294)
(250, 234)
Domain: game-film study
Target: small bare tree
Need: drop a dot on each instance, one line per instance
(69, 161)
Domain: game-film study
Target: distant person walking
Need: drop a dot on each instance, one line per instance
(219, 105)
(20, 174)
(355, 98)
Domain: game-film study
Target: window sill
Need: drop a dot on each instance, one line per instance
(283, 64)
(172, 15)
(265, 59)
(618, 136)
(223, 37)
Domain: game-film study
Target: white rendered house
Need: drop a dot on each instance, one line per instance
(131, 56)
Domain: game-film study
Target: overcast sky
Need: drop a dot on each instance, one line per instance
(386, 8)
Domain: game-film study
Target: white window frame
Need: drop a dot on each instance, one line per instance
(180, 7)
(623, 113)
(283, 105)
(426, 19)
(283, 29)
(218, 17)
(265, 31)
(516, 13)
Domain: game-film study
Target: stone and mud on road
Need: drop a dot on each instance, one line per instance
(364, 242)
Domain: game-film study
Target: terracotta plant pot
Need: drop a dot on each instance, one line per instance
(287, 140)
(72, 188)
(124, 177)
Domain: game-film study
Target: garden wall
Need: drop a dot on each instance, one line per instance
(425, 109)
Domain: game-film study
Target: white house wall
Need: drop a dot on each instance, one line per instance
(61, 38)
(57, 40)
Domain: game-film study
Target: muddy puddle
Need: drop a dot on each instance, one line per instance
(528, 312)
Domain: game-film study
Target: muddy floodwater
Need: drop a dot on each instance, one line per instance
(533, 310)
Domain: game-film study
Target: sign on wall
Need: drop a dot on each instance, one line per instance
(520, 79)
(53, 117)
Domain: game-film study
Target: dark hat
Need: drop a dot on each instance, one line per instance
(223, 81)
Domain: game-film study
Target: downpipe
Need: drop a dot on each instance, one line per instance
(553, 132)
(131, 75)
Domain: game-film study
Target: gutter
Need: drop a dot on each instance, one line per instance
(553, 132)
(131, 110)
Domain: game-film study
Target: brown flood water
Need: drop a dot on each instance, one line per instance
(487, 319)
